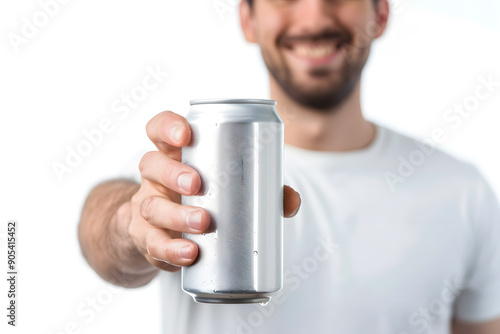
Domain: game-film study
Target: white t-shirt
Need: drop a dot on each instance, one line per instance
(371, 252)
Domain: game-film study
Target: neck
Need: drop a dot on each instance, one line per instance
(341, 129)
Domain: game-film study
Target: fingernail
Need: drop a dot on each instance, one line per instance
(186, 252)
(176, 133)
(184, 182)
(193, 220)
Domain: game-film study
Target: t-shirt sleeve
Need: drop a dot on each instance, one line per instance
(480, 297)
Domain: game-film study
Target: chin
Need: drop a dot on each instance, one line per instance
(323, 99)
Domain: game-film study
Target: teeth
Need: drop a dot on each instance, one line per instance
(314, 51)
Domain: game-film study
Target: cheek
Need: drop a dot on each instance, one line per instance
(357, 18)
(360, 21)
(270, 25)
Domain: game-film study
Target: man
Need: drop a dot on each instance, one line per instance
(365, 254)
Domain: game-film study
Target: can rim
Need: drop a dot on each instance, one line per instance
(232, 101)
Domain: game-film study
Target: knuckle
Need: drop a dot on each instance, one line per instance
(170, 116)
(145, 161)
(150, 126)
(136, 200)
(147, 208)
(168, 175)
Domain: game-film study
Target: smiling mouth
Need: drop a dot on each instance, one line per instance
(315, 50)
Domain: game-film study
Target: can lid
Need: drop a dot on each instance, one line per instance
(233, 101)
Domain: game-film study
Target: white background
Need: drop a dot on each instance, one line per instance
(65, 79)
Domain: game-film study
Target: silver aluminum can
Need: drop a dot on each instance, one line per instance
(237, 148)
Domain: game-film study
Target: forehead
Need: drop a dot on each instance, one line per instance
(299, 5)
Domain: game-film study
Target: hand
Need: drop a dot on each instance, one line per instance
(158, 218)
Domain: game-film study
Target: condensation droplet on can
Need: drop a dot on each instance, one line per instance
(255, 253)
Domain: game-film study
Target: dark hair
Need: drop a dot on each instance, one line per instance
(250, 2)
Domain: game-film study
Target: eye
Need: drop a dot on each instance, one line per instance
(282, 1)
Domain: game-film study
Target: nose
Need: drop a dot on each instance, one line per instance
(313, 16)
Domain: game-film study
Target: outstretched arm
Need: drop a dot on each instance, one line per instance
(129, 231)
(104, 238)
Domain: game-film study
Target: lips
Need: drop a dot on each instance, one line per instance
(315, 49)
(315, 52)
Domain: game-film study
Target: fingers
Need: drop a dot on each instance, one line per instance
(169, 132)
(157, 228)
(291, 202)
(158, 168)
(158, 219)
(163, 213)
(163, 249)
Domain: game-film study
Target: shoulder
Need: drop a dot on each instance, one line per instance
(407, 156)
(414, 164)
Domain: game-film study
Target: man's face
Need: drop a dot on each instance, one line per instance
(315, 49)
